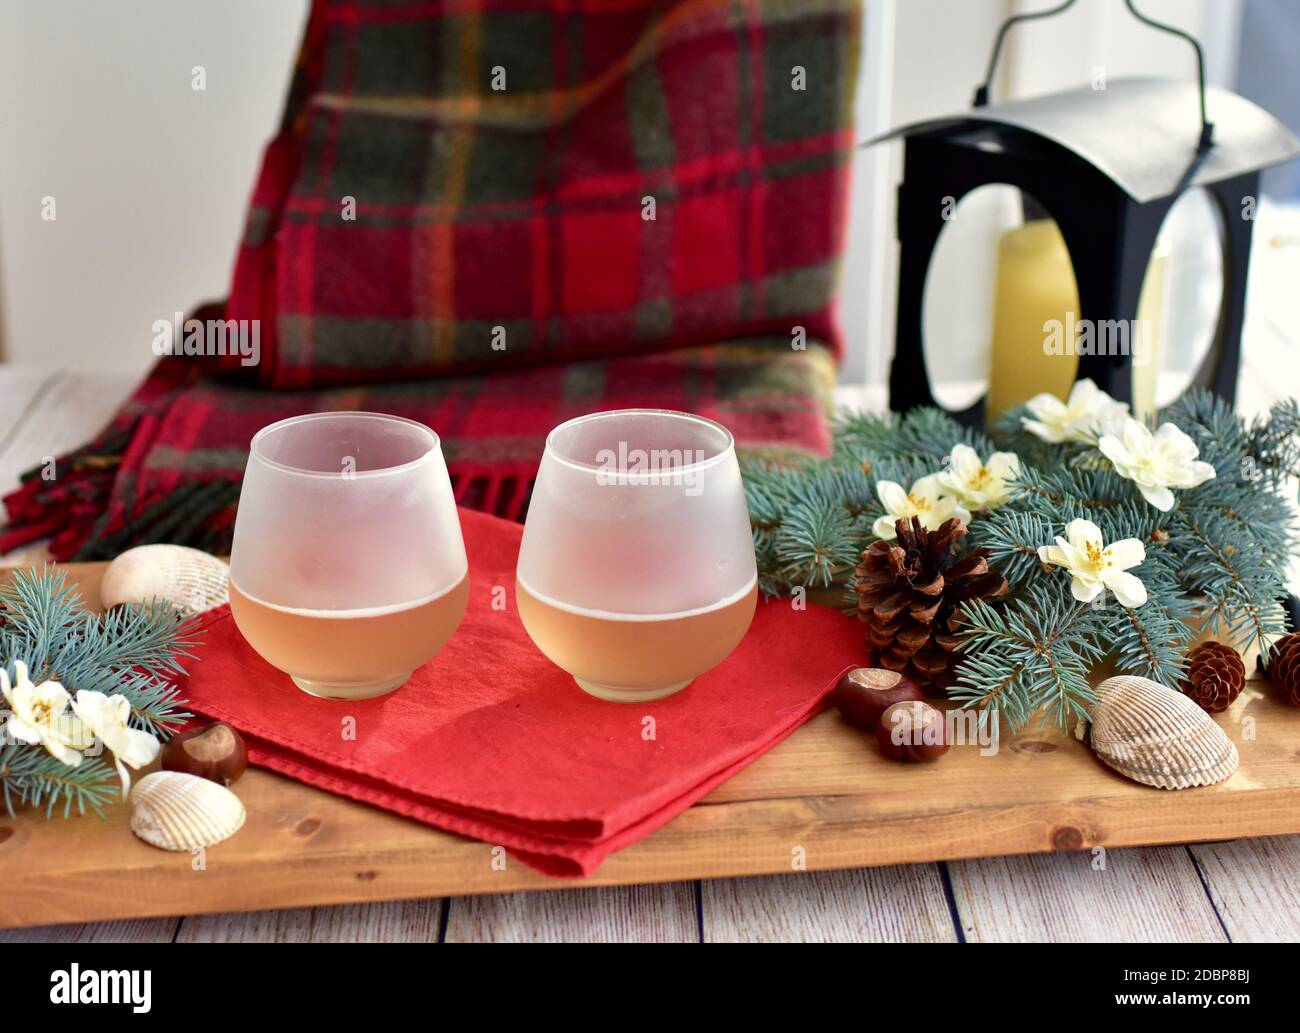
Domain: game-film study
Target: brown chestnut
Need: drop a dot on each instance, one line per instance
(863, 694)
(215, 752)
(912, 731)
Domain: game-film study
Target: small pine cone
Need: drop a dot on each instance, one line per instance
(1215, 676)
(1283, 667)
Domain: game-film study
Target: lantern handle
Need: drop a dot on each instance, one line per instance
(981, 98)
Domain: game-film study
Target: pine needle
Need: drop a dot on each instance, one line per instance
(1220, 554)
(133, 651)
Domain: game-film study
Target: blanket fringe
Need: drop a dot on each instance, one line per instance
(64, 499)
(75, 508)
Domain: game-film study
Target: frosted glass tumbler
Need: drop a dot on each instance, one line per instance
(348, 569)
(636, 572)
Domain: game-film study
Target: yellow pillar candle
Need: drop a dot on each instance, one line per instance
(1035, 290)
(1035, 286)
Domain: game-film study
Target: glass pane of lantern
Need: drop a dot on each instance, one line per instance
(1182, 296)
(996, 284)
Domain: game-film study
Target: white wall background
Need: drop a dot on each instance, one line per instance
(921, 58)
(150, 178)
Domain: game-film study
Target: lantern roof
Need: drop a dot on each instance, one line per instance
(1141, 133)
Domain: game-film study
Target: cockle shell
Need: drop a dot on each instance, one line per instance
(190, 580)
(176, 811)
(1157, 736)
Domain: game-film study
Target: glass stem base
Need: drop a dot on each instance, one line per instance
(367, 690)
(616, 694)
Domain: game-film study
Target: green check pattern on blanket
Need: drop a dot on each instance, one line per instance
(462, 187)
(649, 213)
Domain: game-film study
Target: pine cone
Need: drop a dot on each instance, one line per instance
(1283, 667)
(910, 594)
(1215, 676)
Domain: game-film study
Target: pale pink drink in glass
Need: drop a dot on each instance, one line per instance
(348, 570)
(636, 572)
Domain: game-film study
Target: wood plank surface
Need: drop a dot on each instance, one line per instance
(896, 904)
(621, 914)
(20, 389)
(1149, 895)
(130, 930)
(1255, 886)
(407, 921)
(825, 792)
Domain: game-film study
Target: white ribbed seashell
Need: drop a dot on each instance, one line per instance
(176, 811)
(1157, 736)
(190, 580)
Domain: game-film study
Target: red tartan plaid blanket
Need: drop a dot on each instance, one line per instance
(471, 186)
(487, 190)
(168, 467)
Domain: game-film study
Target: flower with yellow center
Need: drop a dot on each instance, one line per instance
(980, 485)
(1156, 462)
(1088, 411)
(927, 501)
(39, 716)
(1096, 566)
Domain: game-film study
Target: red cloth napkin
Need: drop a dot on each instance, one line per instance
(491, 740)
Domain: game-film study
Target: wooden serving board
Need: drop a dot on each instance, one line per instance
(822, 799)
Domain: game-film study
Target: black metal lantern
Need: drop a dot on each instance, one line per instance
(1106, 164)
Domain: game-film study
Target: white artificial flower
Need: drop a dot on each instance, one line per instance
(107, 717)
(980, 485)
(1096, 566)
(39, 716)
(927, 501)
(1088, 412)
(1156, 462)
